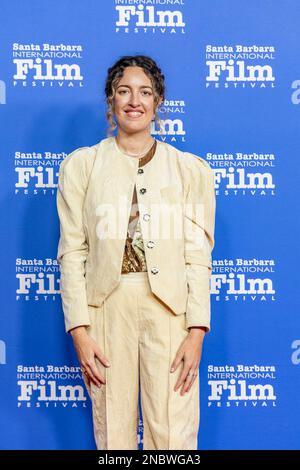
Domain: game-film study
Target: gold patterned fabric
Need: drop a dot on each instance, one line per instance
(134, 254)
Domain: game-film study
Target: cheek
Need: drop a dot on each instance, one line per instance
(120, 102)
(149, 108)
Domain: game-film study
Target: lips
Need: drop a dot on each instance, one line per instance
(134, 114)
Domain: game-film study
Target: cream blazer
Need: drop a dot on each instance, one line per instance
(176, 198)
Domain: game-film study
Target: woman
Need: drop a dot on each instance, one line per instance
(137, 302)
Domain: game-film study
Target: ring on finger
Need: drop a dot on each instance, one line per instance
(194, 374)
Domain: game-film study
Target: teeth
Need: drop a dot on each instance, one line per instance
(134, 113)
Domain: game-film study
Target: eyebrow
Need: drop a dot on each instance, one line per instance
(128, 86)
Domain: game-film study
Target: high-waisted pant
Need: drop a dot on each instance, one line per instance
(140, 337)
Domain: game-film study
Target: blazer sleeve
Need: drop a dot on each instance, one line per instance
(199, 225)
(72, 248)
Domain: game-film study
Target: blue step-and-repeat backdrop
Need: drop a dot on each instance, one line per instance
(233, 97)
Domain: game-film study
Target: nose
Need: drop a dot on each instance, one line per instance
(135, 99)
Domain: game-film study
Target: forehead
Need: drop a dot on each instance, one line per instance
(135, 76)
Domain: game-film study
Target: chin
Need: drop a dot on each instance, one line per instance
(136, 126)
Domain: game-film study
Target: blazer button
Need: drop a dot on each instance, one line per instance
(154, 270)
(143, 190)
(150, 244)
(140, 170)
(146, 217)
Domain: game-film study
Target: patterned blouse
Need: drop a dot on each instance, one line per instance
(134, 253)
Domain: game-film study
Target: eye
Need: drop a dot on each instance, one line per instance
(148, 93)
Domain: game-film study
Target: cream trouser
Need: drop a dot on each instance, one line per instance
(140, 337)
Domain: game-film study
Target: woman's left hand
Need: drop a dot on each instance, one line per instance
(190, 352)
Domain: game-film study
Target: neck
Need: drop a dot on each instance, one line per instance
(134, 144)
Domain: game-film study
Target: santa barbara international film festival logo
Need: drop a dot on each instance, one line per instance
(241, 386)
(36, 173)
(47, 65)
(243, 174)
(239, 66)
(136, 17)
(50, 386)
(171, 113)
(243, 280)
(37, 279)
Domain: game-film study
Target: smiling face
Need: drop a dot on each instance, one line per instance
(134, 101)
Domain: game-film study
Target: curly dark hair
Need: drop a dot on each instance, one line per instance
(114, 75)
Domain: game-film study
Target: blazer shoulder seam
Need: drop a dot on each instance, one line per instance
(81, 157)
(192, 157)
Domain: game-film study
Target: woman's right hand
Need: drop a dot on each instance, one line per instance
(86, 349)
